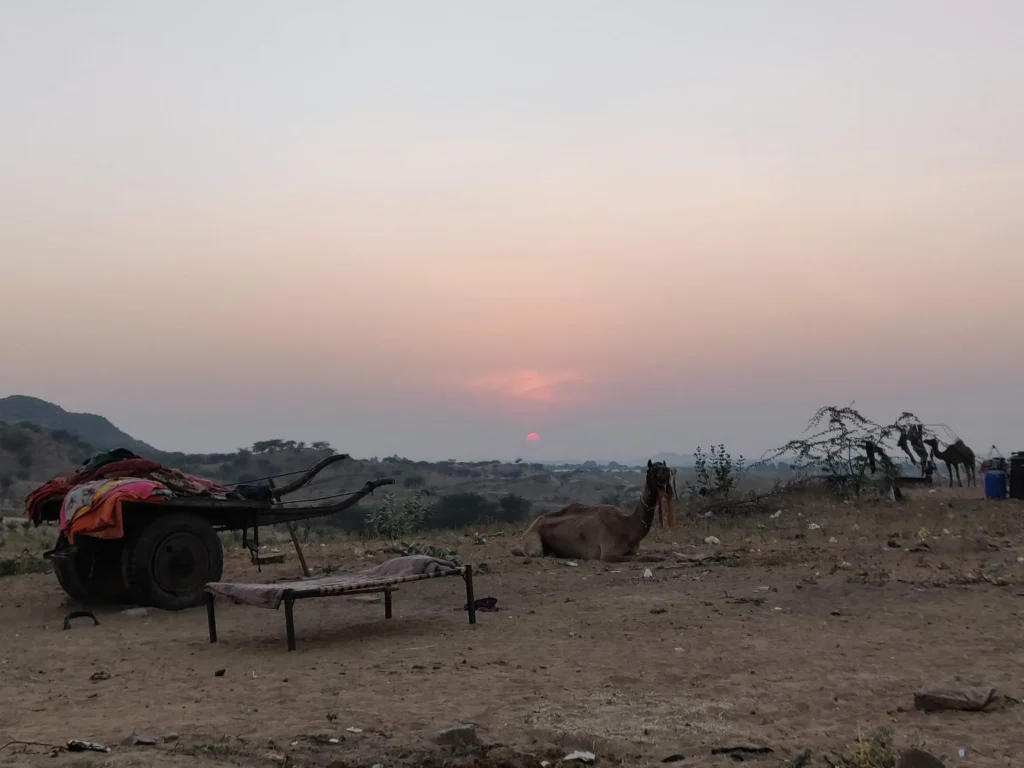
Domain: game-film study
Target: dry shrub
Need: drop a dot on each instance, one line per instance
(875, 751)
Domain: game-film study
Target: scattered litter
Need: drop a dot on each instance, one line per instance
(76, 745)
(813, 527)
(459, 737)
(484, 605)
(775, 515)
(833, 540)
(80, 615)
(946, 532)
(136, 612)
(962, 752)
(713, 541)
(334, 741)
(648, 573)
(353, 729)
(583, 757)
(570, 563)
(737, 753)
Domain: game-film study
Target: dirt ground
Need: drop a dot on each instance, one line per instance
(801, 631)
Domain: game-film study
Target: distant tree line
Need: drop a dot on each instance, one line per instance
(394, 519)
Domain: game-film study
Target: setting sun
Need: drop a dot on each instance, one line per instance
(533, 437)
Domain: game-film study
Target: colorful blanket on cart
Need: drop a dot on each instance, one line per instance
(94, 508)
(114, 465)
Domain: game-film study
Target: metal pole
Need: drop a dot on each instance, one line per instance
(295, 539)
(211, 617)
(467, 574)
(289, 621)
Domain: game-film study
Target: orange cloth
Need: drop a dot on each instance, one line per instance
(94, 509)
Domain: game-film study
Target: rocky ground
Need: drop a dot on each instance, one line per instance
(802, 630)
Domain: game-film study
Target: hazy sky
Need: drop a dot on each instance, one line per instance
(429, 228)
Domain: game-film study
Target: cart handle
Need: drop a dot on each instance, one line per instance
(312, 472)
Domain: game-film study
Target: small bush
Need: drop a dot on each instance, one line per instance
(393, 521)
(717, 475)
(15, 441)
(15, 566)
(513, 508)
(461, 510)
(875, 751)
(414, 481)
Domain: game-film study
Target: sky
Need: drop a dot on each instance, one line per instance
(432, 228)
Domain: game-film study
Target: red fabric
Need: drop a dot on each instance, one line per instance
(57, 488)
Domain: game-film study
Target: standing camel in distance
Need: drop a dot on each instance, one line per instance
(601, 531)
(956, 454)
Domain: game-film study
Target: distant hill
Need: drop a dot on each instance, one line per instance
(30, 455)
(95, 430)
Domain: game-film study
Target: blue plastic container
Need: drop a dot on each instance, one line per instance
(995, 484)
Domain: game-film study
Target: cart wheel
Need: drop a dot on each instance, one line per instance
(93, 573)
(168, 564)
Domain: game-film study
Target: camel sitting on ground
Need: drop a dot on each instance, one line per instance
(955, 455)
(601, 531)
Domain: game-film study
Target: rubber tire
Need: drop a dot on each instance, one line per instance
(137, 561)
(79, 577)
(65, 570)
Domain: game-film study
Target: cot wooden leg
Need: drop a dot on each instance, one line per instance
(289, 621)
(467, 574)
(387, 603)
(211, 617)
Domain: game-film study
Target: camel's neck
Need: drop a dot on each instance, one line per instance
(643, 512)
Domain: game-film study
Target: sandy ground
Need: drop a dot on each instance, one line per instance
(796, 637)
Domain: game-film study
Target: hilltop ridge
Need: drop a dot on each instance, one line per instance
(95, 430)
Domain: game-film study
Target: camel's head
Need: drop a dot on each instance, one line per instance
(661, 479)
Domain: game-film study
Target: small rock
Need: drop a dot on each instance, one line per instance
(813, 527)
(219, 673)
(135, 612)
(967, 696)
(463, 736)
(916, 758)
(833, 540)
(170, 738)
(714, 541)
(101, 675)
(578, 755)
(775, 515)
(353, 729)
(571, 563)
(140, 739)
(648, 573)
